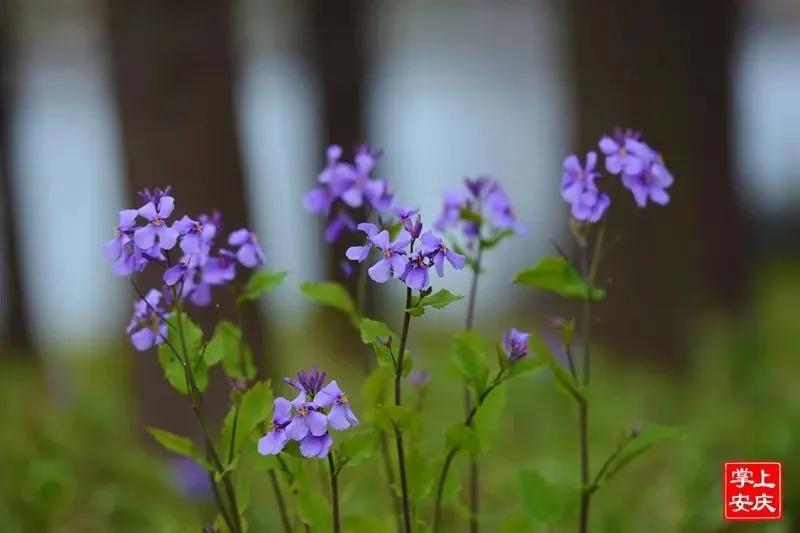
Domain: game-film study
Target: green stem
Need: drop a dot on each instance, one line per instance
(334, 493)
(589, 271)
(398, 382)
(451, 454)
(474, 481)
(193, 397)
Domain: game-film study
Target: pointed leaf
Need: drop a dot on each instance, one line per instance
(227, 346)
(440, 299)
(329, 294)
(540, 350)
(470, 361)
(261, 283)
(649, 437)
(542, 502)
(182, 446)
(255, 407)
(557, 275)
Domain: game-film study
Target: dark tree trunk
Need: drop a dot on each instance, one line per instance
(335, 34)
(16, 333)
(662, 67)
(174, 74)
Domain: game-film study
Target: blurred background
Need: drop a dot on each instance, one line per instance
(233, 103)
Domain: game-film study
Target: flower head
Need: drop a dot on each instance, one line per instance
(393, 261)
(653, 178)
(196, 235)
(275, 440)
(515, 344)
(308, 383)
(438, 252)
(360, 253)
(249, 253)
(340, 416)
(157, 231)
(415, 275)
(577, 178)
(147, 327)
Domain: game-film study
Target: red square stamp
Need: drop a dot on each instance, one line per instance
(753, 491)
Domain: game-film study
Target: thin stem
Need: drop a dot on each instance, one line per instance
(589, 271)
(451, 454)
(474, 481)
(398, 381)
(276, 487)
(334, 493)
(193, 390)
(361, 301)
(571, 363)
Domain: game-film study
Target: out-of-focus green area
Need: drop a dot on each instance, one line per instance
(78, 469)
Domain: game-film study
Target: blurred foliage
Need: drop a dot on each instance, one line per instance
(77, 469)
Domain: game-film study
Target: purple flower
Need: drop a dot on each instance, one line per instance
(415, 275)
(122, 234)
(393, 262)
(404, 213)
(360, 253)
(147, 327)
(577, 179)
(438, 251)
(619, 155)
(195, 235)
(249, 253)
(184, 269)
(481, 187)
(501, 212)
(157, 229)
(653, 179)
(319, 200)
(131, 260)
(308, 419)
(355, 181)
(515, 344)
(450, 216)
(315, 447)
(590, 206)
(333, 154)
(413, 227)
(309, 383)
(219, 270)
(419, 380)
(275, 440)
(340, 416)
(338, 224)
(191, 478)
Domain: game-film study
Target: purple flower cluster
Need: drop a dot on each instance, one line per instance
(515, 344)
(144, 236)
(399, 259)
(641, 169)
(304, 420)
(348, 185)
(482, 211)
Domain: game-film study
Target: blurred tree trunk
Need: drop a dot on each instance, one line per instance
(335, 33)
(16, 339)
(174, 74)
(662, 67)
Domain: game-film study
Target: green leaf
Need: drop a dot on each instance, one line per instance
(515, 523)
(542, 502)
(420, 474)
(464, 438)
(649, 437)
(563, 377)
(387, 417)
(182, 446)
(372, 330)
(228, 347)
(173, 369)
(494, 240)
(329, 294)
(375, 386)
(189, 346)
(408, 364)
(314, 509)
(487, 419)
(261, 283)
(254, 408)
(440, 299)
(524, 366)
(469, 359)
(358, 447)
(364, 524)
(241, 488)
(416, 311)
(468, 215)
(557, 275)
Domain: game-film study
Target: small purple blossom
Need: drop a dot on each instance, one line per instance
(319, 200)
(219, 270)
(438, 251)
(578, 178)
(184, 269)
(360, 253)
(515, 344)
(419, 380)
(249, 253)
(196, 235)
(619, 153)
(275, 440)
(157, 229)
(147, 327)
(340, 416)
(122, 234)
(590, 206)
(308, 419)
(316, 446)
(415, 275)
(413, 227)
(652, 180)
(308, 383)
(452, 203)
(338, 224)
(393, 262)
